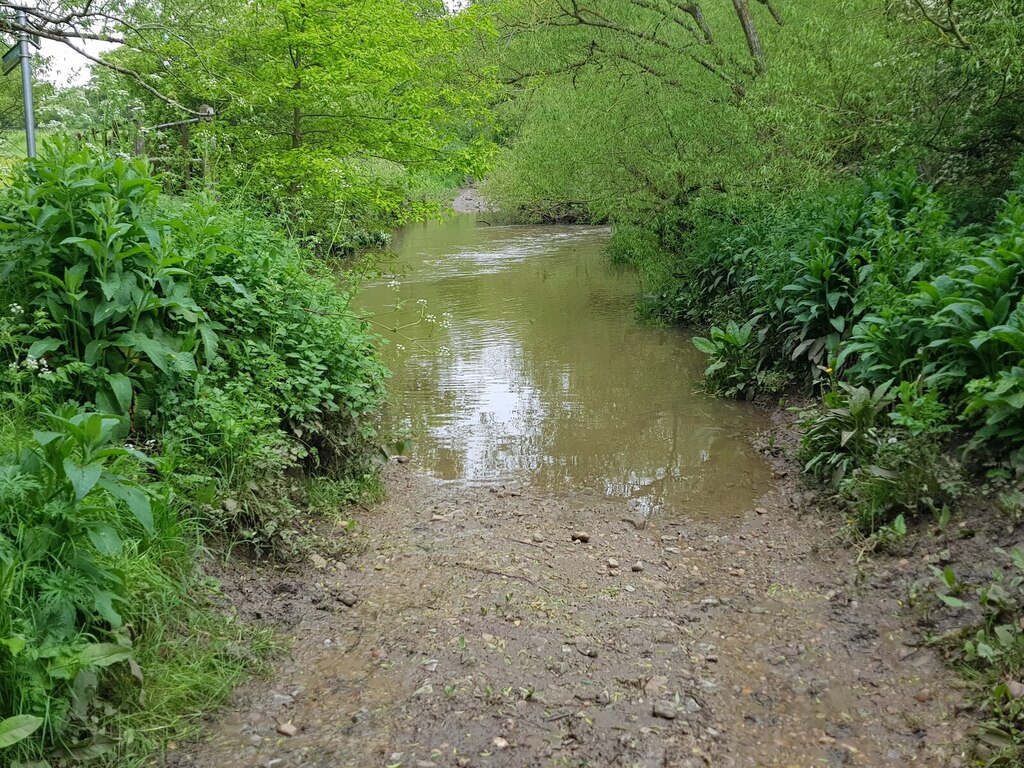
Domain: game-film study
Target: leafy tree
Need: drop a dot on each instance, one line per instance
(331, 107)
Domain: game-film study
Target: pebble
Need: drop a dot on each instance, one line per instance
(637, 567)
(613, 563)
(582, 536)
(500, 743)
(665, 710)
(348, 599)
(538, 538)
(1015, 688)
(317, 561)
(761, 511)
(587, 650)
(287, 729)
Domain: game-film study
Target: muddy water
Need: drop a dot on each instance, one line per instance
(519, 359)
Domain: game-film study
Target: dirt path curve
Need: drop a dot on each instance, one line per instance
(485, 635)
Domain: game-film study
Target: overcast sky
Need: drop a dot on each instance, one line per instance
(68, 67)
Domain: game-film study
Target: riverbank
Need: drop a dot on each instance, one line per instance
(502, 627)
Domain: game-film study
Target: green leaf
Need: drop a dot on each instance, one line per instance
(704, 345)
(103, 654)
(121, 386)
(43, 346)
(14, 645)
(88, 749)
(44, 438)
(104, 602)
(986, 651)
(157, 352)
(83, 479)
(14, 729)
(134, 498)
(1005, 635)
(952, 602)
(105, 538)
(138, 504)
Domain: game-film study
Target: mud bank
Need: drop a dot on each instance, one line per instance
(499, 627)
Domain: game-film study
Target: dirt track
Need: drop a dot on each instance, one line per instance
(483, 634)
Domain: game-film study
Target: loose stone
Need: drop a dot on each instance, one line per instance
(287, 729)
(665, 710)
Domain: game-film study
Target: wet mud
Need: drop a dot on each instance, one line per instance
(504, 627)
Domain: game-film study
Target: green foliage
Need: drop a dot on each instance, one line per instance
(105, 276)
(337, 114)
(991, 644)
(733, 371)
(69, 525)
(1000, 403)
(226, 351)
(882, 450)
(205, 329)
(846, 433)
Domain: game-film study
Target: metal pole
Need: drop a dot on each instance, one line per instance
(26, 86)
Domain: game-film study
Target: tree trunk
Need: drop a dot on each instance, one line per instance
(296, 128)
(750, 32)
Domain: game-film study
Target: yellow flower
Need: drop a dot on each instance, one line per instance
(828, 370)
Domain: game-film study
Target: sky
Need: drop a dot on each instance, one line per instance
(66, 66)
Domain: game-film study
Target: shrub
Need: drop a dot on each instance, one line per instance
(846, 432)
(206, 330)
(224, 349)
(90, 251)
(74, 537)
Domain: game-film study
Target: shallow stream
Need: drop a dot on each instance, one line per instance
(529, 366)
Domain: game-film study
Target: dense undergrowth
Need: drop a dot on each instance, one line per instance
(169, 370)
(907, 324)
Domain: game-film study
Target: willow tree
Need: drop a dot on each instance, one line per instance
(633, 109)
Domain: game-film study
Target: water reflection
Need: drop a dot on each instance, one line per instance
(548, 379)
